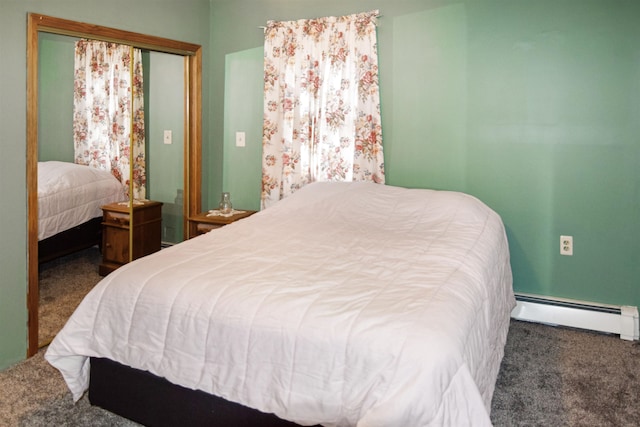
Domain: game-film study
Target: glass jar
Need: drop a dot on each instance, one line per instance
(225, 206)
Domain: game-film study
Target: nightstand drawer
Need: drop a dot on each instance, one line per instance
(202, 228)
(203, 223)
(116, 218)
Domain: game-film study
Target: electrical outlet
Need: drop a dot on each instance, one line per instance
(566, 245)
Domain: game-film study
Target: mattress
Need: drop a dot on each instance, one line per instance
(345, 304)
(71, 194)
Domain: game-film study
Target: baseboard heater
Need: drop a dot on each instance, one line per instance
(619, 320)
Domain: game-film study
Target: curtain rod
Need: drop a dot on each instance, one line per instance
(265, 28)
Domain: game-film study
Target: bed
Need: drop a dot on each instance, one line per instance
(344, 304)
(69, 201)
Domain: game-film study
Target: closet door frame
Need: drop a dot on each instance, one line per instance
(192, 54)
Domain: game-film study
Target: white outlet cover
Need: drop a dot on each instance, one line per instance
(566, 245)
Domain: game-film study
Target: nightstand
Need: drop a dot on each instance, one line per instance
(201, 223)
(147, 233)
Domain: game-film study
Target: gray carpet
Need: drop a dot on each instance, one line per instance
(563, 377)
(33, 393)
(549, 377)
(62, 284)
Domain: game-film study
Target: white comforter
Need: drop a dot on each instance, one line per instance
(344, 304)
(71, 194)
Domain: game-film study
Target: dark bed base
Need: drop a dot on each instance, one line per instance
(154, 401)
(75, 239)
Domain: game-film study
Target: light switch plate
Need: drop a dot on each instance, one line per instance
(240, 139)
(167, 137)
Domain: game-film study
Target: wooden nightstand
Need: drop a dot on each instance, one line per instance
(201, 223)
(147, 233)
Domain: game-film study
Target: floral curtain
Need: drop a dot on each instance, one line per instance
(321, 104)
(108, 114)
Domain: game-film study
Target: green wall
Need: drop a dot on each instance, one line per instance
(532, 106)
(186, 20)
(55, 97)
(165, 162)
(243, 113)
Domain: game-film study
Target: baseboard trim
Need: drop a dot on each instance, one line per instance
(619, 320)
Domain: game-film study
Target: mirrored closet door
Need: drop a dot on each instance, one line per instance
(172, 111)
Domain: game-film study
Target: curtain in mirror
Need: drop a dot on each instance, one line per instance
(321, 104)
(108, 118)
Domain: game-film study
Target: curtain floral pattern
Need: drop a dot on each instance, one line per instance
(321, 104)
(108, 118)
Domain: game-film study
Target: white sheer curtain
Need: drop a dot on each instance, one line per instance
(321, 104)
(108, 116)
